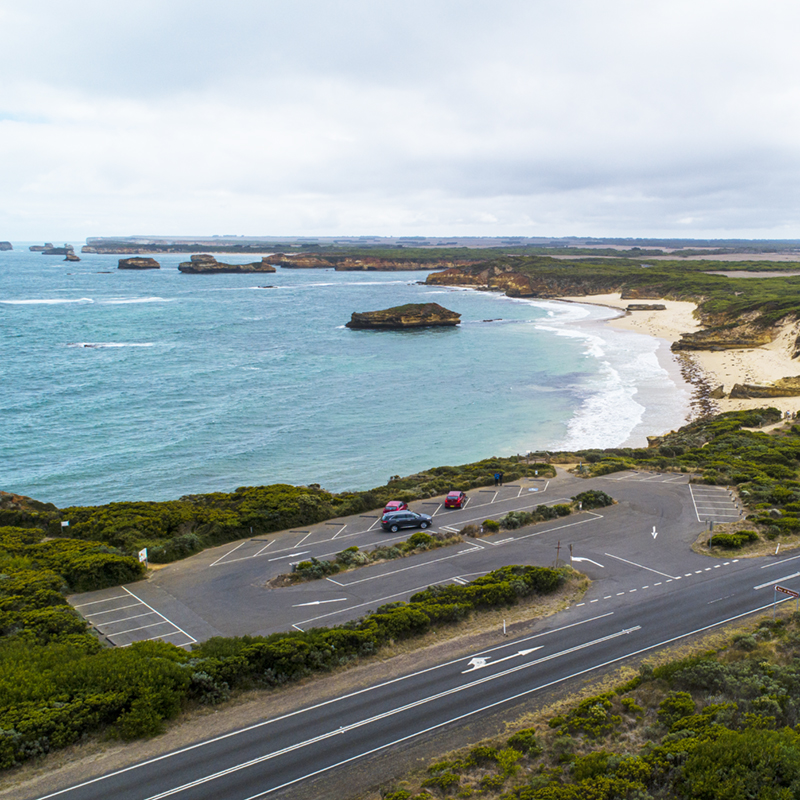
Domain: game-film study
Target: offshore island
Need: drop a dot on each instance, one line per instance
(733, 323)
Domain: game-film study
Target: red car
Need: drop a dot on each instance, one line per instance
(455, 500)
(395, 505)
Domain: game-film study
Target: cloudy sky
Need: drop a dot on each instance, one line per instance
(399, 117)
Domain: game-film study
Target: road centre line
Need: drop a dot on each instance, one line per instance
(779, 563)
(773, 582)
(641, 566)
(315, 707)
(379, 717)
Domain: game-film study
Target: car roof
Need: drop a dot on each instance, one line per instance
(454, 492)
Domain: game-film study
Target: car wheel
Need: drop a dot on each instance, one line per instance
(423, 524)
(394, 528)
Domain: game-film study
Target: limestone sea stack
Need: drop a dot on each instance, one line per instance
(138, 263)
(205, 264)
(6, 246)
(71, 257)
(411, 315)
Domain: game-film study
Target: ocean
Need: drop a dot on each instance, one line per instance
(149, 385)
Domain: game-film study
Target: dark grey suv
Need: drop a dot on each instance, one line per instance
(404, 519)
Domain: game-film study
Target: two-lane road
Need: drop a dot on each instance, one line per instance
(266, 758)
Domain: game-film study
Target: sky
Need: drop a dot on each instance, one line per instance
(381, 117)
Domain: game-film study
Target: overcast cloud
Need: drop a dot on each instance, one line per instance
(303, 117)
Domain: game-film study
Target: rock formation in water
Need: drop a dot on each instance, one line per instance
(138, 263)
(6, 246)
(71, 257)
(205, 264)
(411, 315)
(58, 251)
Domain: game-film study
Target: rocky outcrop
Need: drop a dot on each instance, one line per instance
(205, 264)
(352, 263)
(40, 248)
(731, 337)
(71, 257)
(58, 251)
(646, 307)
(783, 387)
(87, 249)
(717, 394)
(138, 263)
(411, 315)
(6, 246)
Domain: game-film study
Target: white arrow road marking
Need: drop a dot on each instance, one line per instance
(291, 555)
(477, 663)
(576, 558)
(320, 602)
(654, 532)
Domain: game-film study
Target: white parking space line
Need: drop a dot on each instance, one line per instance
(228, 553)
(110, 610)
(191, 638)
(268, 544)
(107, 600)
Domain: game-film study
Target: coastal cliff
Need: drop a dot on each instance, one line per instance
(411, 315)
(138, 263)
(204, 264)
(352, 263)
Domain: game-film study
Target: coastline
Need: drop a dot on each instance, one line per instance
(706, 370)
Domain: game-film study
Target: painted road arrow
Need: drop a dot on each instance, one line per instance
(477, 662)
(320, 602)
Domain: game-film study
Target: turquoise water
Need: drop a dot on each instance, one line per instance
(125, 385)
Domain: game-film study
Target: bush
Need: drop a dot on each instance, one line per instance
(593, 499)
(491, 525)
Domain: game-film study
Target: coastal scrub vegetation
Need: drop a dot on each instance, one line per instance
(58, 684)
(174, 529)
(720, 725)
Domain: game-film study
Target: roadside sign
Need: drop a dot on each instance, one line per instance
(143, 555)
(790, 592)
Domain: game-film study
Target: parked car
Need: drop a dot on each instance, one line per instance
(395, 505)
(455, 500)
(404, 519)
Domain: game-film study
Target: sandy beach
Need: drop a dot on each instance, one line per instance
(759, 365)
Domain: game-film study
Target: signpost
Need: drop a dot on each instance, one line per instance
(143, 556)
(790, 592)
